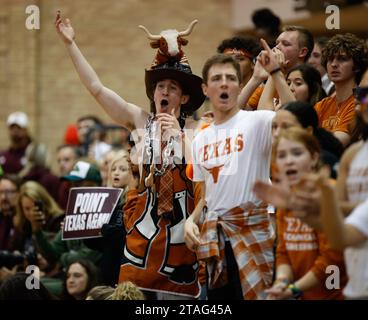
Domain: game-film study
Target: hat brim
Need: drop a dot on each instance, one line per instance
(191, 85)
(71, 178)
(20, 125)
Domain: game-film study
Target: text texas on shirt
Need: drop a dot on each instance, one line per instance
(88, 209)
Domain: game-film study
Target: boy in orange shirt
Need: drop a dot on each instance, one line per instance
(345, 60)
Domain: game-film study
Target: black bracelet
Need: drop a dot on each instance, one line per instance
(275, 70)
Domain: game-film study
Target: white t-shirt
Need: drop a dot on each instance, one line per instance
(357, 179)
(231, 156)
(356, 258)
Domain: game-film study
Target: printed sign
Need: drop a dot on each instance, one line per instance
(88, 209)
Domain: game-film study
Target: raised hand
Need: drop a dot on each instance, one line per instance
(307, 197)
(259, 73)
(36, 218)
(64, 29)
(270, 59)
(280, 57)
(273, 194)
(169, 125)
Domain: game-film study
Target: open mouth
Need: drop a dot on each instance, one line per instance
(164, 104)
(291, 172)
(224, 96)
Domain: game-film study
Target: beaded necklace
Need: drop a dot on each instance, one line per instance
(148, 146)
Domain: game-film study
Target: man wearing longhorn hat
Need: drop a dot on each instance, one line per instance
(155, 256)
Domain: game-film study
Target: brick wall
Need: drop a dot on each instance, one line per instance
(37, 75)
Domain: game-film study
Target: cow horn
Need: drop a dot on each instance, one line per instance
(189, 30)
(149, 35)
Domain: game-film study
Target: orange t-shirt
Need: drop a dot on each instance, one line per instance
(336, 117)
(305, 249)
(253, 101)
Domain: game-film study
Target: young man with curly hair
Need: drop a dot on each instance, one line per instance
(345, 58)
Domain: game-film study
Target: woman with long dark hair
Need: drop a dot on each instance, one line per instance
(80, 277)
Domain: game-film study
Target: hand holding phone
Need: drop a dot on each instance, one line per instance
(40, 208)
(39, 205)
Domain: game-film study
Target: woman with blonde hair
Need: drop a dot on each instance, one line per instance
(127, 290)
(121, 157)
(104, 164)
(100, 293)
(35, 210)
(111, 245)
(36, 206)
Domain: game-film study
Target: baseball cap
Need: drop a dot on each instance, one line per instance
(19, 118)
(83, 171)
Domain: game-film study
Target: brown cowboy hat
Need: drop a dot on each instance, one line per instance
(191, 84)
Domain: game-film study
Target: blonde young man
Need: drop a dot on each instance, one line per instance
(228, 157)
(295, 45)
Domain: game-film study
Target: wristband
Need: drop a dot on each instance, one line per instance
(275, 70)
(295, 291)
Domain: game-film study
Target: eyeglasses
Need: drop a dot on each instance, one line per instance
(7, 192)
(361, 94)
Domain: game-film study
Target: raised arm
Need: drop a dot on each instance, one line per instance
(266, 100)
(116, 107)
(273, 61)
(259, 75)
